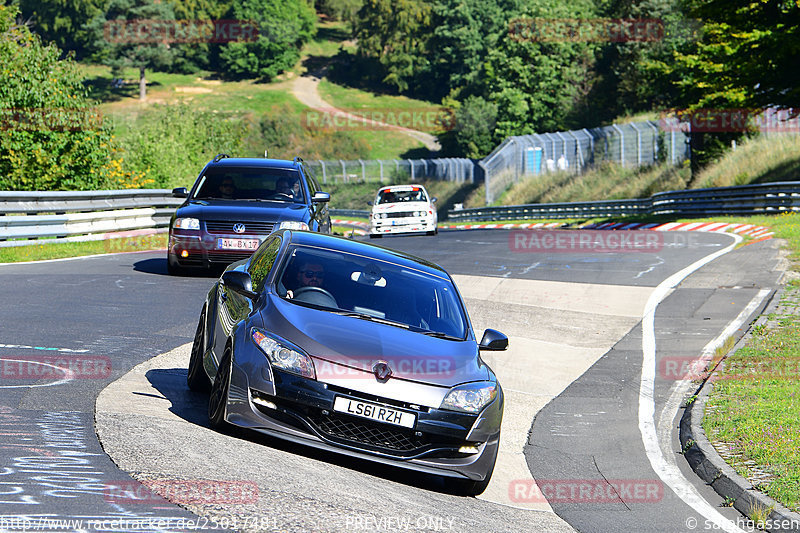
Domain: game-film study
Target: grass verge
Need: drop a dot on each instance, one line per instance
(753, 414)
(43, 250)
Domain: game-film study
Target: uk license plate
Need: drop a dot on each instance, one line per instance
(238, 244)
(379, 413)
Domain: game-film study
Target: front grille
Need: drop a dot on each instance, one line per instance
(366, 433)
(402, 214)
(251, 228)
(228, 257)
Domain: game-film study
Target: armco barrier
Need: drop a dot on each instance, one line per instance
(768, 198)
(72, 216)
(63, 216)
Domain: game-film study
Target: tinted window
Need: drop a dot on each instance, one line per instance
(278, 184)
(262, 261)
(340, 281)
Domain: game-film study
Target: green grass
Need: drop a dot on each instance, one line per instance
(757, 160)
(43, 250)
(401, 108)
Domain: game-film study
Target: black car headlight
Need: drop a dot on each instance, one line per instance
(470, 397)
(284, 357)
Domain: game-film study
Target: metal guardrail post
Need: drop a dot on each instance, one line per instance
(363, 171)
(621, 144)
(638, 145)
(324, 174)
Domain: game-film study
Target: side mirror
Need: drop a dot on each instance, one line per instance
(180, 192)
(369, 202)
(433, 200)
(493, 340)
(321, 197)
(239, 282)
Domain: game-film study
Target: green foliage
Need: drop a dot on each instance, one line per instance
(283, 28)
(396, 32)
(747, 56)
(286, 137)
(537, 84)
(473, 133)
(171, 144)
(463, 32)
(53, 139)
(339, 9)
(64, 22)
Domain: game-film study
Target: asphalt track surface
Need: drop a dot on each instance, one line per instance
(118, 311)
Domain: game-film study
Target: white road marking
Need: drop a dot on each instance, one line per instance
(668, 471)
(42, 348)
(68, 375)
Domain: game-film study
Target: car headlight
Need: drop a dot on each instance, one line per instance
(283, 357)
(376, 216)
(293, 224)
(471, 397)
(186, 223)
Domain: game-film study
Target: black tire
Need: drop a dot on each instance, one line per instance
(218, 398)
(196, 378)
(375, 236)
(431, 233)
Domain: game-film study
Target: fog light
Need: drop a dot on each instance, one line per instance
(468, 449)
(264, 403)
(185, 254)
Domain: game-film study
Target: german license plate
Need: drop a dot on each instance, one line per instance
(238, 244)
(380, 413)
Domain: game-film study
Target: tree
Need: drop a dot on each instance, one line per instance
(463, 31)
(539, 82)
(396, 32)
(473, 134)
(284, 26)
(64, 22)
(131, 35)
(747, 56)
(52, 138)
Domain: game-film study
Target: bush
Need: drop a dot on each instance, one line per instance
(53, 139)
(171, 144)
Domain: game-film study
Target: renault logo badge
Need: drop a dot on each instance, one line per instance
(382, 371)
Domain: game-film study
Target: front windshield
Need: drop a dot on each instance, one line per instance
(373, 290)
(389, 196)
(231, 183)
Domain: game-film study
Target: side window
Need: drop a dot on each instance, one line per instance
(313, 186)
(262, 261)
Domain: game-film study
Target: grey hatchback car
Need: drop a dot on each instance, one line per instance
(352, 348)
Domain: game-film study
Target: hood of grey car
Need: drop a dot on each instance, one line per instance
(346, 347)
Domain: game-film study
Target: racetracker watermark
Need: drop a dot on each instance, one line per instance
(731, 120)
(425, 119)
(585, 241)
(182, 491)
(414, 368)
(693, 369)
(55, 367)
(50, 119)
(586, 491)
(152, 31)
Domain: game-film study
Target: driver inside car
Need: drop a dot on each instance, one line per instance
(310, 274)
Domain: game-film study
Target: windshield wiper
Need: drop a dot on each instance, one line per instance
(441, 335)
(371, 318)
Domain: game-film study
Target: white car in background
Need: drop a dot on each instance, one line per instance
(403, 209)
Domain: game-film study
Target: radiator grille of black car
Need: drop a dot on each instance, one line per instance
(251, 228)
(372, 434)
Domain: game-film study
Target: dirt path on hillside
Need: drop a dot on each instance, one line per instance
(305, 90)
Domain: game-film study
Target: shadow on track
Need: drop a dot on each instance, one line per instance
(193, 408)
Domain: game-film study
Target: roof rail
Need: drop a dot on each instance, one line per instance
(218, 157)
(298, 159)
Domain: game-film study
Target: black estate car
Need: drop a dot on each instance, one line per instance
(236, 203)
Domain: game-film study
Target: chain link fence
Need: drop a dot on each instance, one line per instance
(395, 170)
(630, 145)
